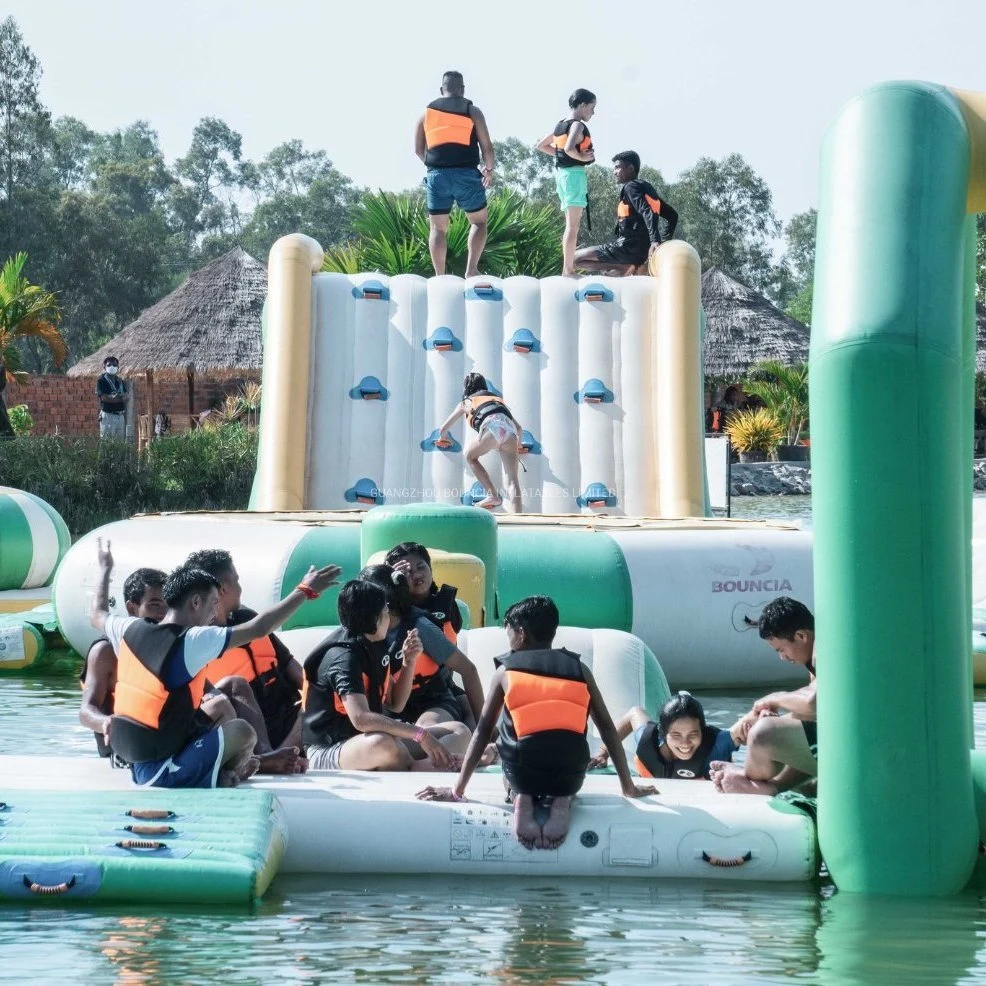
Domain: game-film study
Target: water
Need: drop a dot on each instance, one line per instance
(440, 930)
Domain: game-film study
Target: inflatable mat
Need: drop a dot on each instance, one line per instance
(137, 845)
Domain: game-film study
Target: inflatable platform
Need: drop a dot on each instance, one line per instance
(101, 839)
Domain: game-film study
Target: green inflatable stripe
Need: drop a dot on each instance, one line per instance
(321, 546)
(896, 813)
(16, 545)
(584, 572)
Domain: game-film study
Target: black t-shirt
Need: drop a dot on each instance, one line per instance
(646, 211)
(110, 386)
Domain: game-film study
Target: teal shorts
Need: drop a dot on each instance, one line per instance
(572, 186)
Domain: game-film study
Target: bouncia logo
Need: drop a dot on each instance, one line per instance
(757, 563)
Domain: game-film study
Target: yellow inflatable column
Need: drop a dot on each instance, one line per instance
(680, 410)
(287, 360)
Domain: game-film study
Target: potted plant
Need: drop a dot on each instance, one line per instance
(754, 433)
(784, 391)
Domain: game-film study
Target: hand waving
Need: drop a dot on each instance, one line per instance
(320, 579)
(104, 555)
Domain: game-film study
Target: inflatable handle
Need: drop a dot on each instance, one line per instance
(147, 844)
(594, 292)
(149, 829)
(150, 813)
(435, 443)
(726, 863)
(48, 889)
(483, 291)
(371, 291)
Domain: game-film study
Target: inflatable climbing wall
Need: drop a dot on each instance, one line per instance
(577, 361)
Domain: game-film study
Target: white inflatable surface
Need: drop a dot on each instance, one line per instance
(389, 356)
(350, 822)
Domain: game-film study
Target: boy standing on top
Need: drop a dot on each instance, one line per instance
(449, 138)
(639, 213)
(543, 697)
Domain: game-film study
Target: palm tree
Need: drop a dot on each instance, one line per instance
(392, 237)
(784, 389)
(26, 310)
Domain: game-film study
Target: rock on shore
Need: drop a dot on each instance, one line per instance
(778, 478)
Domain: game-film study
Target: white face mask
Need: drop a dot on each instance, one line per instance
(112, 370)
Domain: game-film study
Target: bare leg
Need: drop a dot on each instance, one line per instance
(511, 466)
(374, 751)
(477, 240)
(438, 242)
(433, 717)
(527, 830)
(241, 695)
(477, 448)
(555, 829)
(573, 217)
(239, 763)
(454, 736)
(777, 759)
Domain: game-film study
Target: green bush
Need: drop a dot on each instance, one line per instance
(20, 419)
(91, 482)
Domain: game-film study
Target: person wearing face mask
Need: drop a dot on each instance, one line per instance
(112, 394)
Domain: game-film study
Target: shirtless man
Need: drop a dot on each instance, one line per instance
(780, 730)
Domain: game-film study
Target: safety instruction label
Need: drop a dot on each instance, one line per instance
(484, 834)
(11, 645)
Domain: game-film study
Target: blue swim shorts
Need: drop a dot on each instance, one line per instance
(454, 186)
(197, 765)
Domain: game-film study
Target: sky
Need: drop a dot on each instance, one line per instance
(675, 82)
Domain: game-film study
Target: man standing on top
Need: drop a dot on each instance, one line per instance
(448, 139)
(112, 394)
(639, 213)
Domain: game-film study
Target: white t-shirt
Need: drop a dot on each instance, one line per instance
(200, 645)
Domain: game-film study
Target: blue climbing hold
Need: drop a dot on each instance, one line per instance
(596, 495)
(443, 340)
(474, 494)
(483, 291)
(371, 291)
(369, 389)
(594, 391)
(364, 491)
(435, 443)
(523, 341)
(529, 445)
(594, 292)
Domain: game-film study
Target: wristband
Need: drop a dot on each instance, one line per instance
(307, 590)
(458, 797)
(419, 734)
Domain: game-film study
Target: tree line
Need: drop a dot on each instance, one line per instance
(110, 226)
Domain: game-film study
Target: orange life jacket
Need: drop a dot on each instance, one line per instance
(623, 209)
(450, 134)
(251, 661)
(545, 710)
(562, 160)
(151, 721)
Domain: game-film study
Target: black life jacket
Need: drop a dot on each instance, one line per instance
(482, 404)
(650, 763)
(150, 720)
(106, 708)
(562, 160)
(441, 608)
(450, 134)
(545, 711)
(322, 708)
(629, 223)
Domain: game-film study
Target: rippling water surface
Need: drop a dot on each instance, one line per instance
(440, 930)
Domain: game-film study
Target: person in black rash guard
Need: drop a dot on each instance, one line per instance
(543, 697)
(678, 745)
(640, 213)
(352, 683)
(431, 701)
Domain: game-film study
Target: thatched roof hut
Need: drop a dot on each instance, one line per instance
(210, 325)
(743, 328)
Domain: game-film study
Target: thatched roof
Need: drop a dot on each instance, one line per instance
(743, 328)
(208, 325)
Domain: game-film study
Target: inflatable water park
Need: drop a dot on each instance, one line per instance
(605, 375)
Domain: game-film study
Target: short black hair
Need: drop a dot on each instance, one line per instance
(684, 705)
(110, 359)
(359, 606)
(139, 582)
(453, 81)
(407, 549)
(580, 97)
(184, 582)
(537, 616)
(783, 617)
(629, 157)
(215, 561)
(394, 584)
(473, 383)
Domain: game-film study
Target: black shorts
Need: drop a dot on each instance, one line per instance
(417, 707)
(622, 251)
(811, 735)
(542, 783)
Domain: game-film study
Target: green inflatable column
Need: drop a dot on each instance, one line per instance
(468, 530)
(890, 480)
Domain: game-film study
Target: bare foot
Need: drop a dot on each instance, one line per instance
(735, 781)
(283, 761)
(556, 827)
(490, 755)
(528, 831)
(246, 769)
